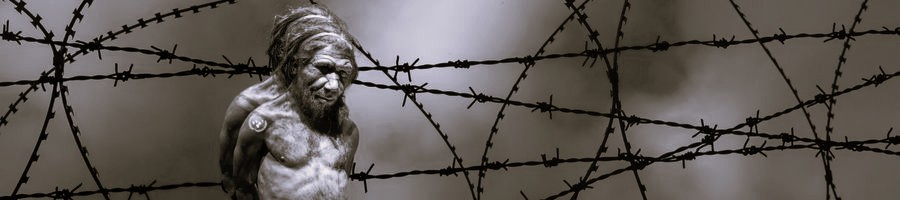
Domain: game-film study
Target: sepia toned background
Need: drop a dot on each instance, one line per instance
(166, 130)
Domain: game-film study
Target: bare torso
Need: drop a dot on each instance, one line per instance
(302, 163)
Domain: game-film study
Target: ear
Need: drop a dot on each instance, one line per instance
(288, 73)
(355, 72)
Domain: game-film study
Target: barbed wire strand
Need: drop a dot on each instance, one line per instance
(746, 150)
(875, 80)
(76, 132)
(515, 88)
(16, 36)
(825, 152)
(713, 133)
(41, 137)
(140, 189)
(615, 80)
(827, 155)
(58, 66)
(20, 7)
(465, 64)
(654, 47)
(203, 72)
(55, 76)
(158, 17)
(613, 76)
(616, 106)
(493, 166)
(35, 20)
(85, 46)
(751, 150)
(409, 93)
(155, 51)
(667, 157)
(69, 111)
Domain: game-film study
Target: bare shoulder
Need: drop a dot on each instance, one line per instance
(269, 113)
(350, 129)
(256, 94)
(349, 125)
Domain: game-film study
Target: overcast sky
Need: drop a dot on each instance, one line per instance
(166, 130)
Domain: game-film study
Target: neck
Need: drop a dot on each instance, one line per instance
(271, 83)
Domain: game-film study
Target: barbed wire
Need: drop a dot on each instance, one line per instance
(612, 73)
(411, 95)
(706, 135)
(139, 189)
(827, 157)
(515, 88)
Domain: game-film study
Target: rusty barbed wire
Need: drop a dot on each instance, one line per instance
(706, 135)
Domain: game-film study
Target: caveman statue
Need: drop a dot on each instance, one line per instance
(290, 136)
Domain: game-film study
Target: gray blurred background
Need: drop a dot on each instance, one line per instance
(166, 130)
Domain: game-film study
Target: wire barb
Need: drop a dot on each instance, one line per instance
(756, 142)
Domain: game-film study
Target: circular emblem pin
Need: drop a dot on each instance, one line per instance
(257, 123)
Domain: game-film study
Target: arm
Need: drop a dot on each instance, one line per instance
(354, 143)
(237, 111)
(248, 153)
(234, 117)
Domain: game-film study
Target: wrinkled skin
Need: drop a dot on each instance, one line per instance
(301, 144)
(235, 115)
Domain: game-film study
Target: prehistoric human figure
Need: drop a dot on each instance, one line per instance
(298, 141)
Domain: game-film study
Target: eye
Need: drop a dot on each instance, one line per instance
(343, 73)
(325, 67)
(312, 70)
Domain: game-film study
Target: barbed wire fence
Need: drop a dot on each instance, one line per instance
(67, 49)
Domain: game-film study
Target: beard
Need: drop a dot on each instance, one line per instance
(322, 116)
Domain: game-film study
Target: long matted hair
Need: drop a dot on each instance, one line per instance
(296, 36)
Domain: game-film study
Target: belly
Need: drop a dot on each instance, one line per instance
(314, 180)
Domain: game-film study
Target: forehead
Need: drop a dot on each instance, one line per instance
(329, 46)
(333, 54)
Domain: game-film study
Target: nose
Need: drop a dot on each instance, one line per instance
(333, 83)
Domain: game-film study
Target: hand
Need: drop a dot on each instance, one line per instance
(245, 192)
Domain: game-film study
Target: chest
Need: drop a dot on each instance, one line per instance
(295, 145)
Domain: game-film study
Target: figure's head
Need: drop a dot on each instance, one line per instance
(313, 57)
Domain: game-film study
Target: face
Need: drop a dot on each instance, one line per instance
(323, 80)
